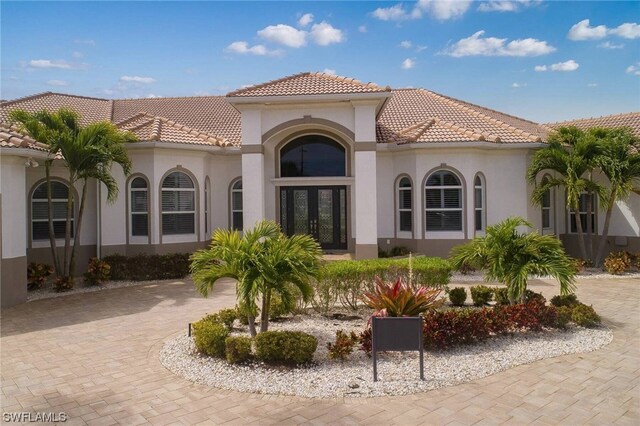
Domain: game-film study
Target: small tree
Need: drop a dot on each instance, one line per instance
(263, 261)
(511, 257)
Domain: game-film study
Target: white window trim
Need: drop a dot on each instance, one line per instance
(551, 229)
(399, 232)
(483, 207)
(46, 242)
(445, 209)
(139, 239)
(174, 238)
(231, 209)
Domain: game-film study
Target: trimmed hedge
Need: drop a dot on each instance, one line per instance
(144, 267)
(237, 349)
(209, 337)
(287, 347)
(347, 280)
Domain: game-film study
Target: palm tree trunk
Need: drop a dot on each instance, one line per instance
(583, 249)
(589, 225)
(76, 239)
(67, 229)
(605, 230)
(264, 315)
(252, 325)
(52, 233)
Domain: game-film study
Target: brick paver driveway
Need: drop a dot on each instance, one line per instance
(95, 357)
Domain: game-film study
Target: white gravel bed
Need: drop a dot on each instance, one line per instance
(587, 274)
(48, 292)
(398, 373)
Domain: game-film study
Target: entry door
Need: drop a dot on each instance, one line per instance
(319, 211)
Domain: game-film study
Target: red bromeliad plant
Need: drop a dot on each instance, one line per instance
(399, 299)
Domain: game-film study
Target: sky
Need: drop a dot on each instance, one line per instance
(540, 60)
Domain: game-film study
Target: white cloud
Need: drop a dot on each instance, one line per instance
(362, 28)
(609, 45)
(506, 6)
(583, 31)
(152, 96)
(420, 48)
(58, 83)
(242, 47)
(85, 42)
(627, 30)
(476, 45)
(48, 63)
(393, 13)
(305, 19)
(438, 9)
(406, 44)
(566, 66)
(325, 34)
(634, 69)
(592, 84)
(77, 54)
(285, 35)
(329, 71)
(137, 79)
(108, 91)
(518, 85)
(408, 63)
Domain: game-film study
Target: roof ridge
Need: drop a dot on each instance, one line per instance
(622, 114)
(421, 126)
(256, 86)
(460, 104)
(25, 98)
(132, 118)
(468, 132)
(195, 132)
(48, 93)
(168, 97)
(350, 80)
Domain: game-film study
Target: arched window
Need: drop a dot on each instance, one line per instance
(207, 191)
(443, 202)
(547, 207)
(40, 211)
(312, 155)
(178, 204)
(236, 205)
(405, 205)
(479, 203)
(139, 207)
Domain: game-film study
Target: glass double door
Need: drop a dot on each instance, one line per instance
(320, 211)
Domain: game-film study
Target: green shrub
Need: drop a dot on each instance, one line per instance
(569, 300)
(325, 292)
(530, 296)
(277, 309)
(209, 336)
(457, 296)
(466, 269)
(98, 272)
(382, 254)
(37, 275)
(287, 347)
(399, 251)
(501, 295)
(148, 267)
(617, 263)
(585, 316)
(481, 295)
(225, 317)
(564, 316)
(243, 311)
(343, 345)
(237, 349)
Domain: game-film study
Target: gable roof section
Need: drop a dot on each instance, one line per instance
(422, 116)
(631, 120)
(308, 83)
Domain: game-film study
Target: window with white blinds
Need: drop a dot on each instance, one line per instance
(236, 205)
(139, 207)
(405, 205)
(479, 203)
(443, 202)
(40, 211)
(547, 207)
(178, 205)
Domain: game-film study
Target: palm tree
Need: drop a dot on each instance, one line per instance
(263, 261)
(511, 257)
(620, 163)
(87, 153)
(572, 154)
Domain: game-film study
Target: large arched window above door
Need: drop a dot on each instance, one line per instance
(313, 155)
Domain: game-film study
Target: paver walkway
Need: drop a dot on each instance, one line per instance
(95, 357)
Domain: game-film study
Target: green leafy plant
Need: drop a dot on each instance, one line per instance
(343, 345)
(563, 316)
(145, 267)
(457, 296)
(585, 316)
(501, 295)
(237, 349)
(98, 272)
(481, 295)
(398, 299)
(399, 251)
(37, 275)
(245, 311)
(209, 337)
(287, 347)
(225, 317)
(530, 296)
(617, 263)
(63, 283)
(511, 257)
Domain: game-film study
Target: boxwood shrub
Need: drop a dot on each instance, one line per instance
(144, 267)
(285, 347)
(209, 337)
(237, 349)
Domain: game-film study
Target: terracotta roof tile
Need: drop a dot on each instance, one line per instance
(12, 137)
(631, 120)
(308, 83)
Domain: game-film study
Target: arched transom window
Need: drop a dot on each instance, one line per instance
(443, 202)
(139, 207)
(40, 211)
(405, 205)
(178, 204)
(312, 155)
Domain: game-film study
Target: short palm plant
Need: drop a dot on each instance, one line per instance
(511, 257)
(263, 261)
(399, 299)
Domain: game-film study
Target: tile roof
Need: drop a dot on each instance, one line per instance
(631, 120)
(154, 128)
(90, 109)
(418, 115)
(12, 137)
(308, 83)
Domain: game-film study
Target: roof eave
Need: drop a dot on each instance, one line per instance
(392, 146)
(292, 99)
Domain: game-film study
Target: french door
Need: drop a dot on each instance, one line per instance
(320, 211)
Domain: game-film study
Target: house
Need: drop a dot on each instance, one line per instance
(354, 164)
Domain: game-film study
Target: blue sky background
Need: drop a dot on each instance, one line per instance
(140, 49)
